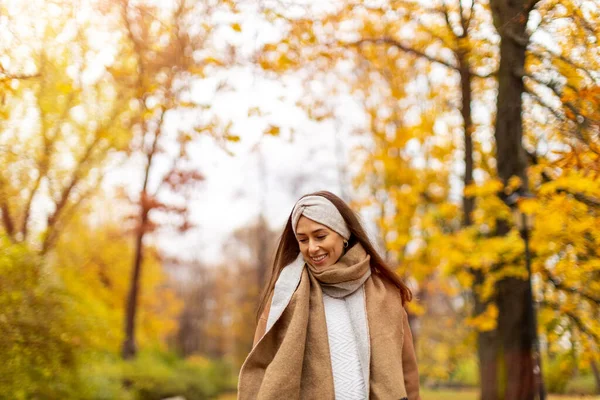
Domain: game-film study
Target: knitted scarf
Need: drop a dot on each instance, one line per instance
(291, 361)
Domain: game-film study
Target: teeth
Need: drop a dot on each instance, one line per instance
(319, 258)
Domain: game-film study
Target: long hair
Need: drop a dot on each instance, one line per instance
(288, 249)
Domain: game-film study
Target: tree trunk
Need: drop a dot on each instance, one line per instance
(129, 347)
(487, 348)
(510, 19)
(511, 156)
(262, 226)
(465, 84)
(262, 251)
(596, 373)
(515, 338)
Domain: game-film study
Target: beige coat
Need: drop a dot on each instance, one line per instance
(409, 360)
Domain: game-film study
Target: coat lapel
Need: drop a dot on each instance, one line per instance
(284, 289)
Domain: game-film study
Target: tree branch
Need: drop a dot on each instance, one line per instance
(533, 159)
(530, 6)
(470, 18)
(43, 164)
(561, 286)
(27, 209)
(582, 327)
(67, 190)
(418, 53)
(394, 43)
(8, 77)
(521, 41)
(552, 86)
(462, 20)
(435, 35)
(411, 5)
(541, 102)
(563, 59)
(51, 235)
(7, 220)
(591, 29)
(587, 200)
(447, 18)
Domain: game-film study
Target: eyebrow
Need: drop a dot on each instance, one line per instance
(315, 231)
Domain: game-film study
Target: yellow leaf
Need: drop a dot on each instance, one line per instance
(213, 60)
(485, 321)
(65, 88)
(528, 206)
(236, 27)
(513, 184)
(254, 111)
(273, 130)
(232, 138)
(416, 308)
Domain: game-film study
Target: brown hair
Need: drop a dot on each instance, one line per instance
(288, 249)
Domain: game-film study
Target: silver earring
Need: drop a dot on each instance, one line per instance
(345, 243)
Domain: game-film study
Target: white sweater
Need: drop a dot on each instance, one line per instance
(345, 362)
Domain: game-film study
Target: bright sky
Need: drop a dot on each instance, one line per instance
(306, 156)
(237, 187)
(294, 163)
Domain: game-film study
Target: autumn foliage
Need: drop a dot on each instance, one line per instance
(471, 117)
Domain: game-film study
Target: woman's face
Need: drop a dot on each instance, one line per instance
(320, 246)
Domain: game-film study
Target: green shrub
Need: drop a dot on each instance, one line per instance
(466, 373)
(47, 349)
(154, 376)
(41, 344)
(558, 372)
(581, 385)
(103, 377)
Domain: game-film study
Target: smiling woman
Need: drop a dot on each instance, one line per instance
(319, 245)
(331, 322)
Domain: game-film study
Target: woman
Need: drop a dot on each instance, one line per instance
(332, 321)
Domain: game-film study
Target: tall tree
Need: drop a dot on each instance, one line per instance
(80, 120)
(446, 36)
(539, 72)
(168, 54)
(511, 19)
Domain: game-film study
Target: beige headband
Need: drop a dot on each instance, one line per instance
(320, 210)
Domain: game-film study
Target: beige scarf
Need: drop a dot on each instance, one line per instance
(291, 360)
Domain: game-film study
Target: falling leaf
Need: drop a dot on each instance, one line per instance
(272, 130)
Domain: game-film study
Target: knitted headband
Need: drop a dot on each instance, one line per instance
(320, 210)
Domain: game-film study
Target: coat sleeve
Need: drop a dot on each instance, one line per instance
(261, 326)
(409, 363)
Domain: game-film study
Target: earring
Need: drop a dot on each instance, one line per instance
(345, 243)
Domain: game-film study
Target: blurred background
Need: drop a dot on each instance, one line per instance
(151, 152)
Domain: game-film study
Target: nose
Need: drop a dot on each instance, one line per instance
(313, 247)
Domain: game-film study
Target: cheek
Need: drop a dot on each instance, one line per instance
(303, 249)
(338, 247)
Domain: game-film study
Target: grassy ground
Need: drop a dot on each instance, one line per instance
(473, 395)
(463, 395)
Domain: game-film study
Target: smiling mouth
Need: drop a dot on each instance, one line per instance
(319, 258)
